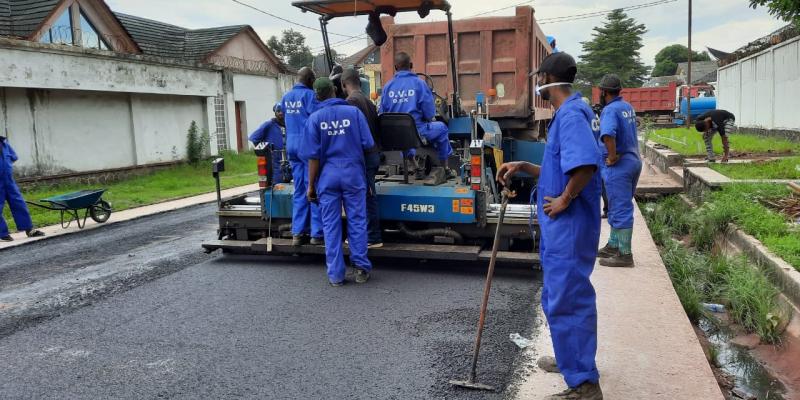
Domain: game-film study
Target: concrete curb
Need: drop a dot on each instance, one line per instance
(662, 158)
(782, 274)
(127, 215)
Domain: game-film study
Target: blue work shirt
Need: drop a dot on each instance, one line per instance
(406, 93)
(9, 157)
(337, 133)
(269, 131)
(618, 120)
(298, 104)
(571, 143)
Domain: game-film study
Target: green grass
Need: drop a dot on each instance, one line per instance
(689, 142)
(172, 183)
(698, 276)
(786, 168)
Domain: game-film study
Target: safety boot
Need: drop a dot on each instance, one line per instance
(586, 391)
(7, 238)
(548, 364)
(607, 251)
(317, 241)
(362, 276)
(437, 176)
(618, 260)
(34, 233)
(299, 240)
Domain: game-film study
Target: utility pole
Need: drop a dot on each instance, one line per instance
(689, 74)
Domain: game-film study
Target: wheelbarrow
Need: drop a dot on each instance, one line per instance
(71, 204)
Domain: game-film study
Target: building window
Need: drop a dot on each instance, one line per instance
(61, 30)
(89, 36)
(219, 116)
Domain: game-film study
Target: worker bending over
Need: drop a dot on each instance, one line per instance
(10, 193)
(716, 121)
(408, 94)
(298, 104)
(620, 172)
(272, 132)
(337, 137)
(568, 209)
(355, 97)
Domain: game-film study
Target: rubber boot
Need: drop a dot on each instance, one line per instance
(624, 258)
(612, 248)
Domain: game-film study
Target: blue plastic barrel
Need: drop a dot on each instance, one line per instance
(699, 106)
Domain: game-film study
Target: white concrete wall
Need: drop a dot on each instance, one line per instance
(32, 66)
(259, 93)
(61, 131)
(763, 90)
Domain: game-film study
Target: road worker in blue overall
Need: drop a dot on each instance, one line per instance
(272, 132)
(551, 41)
(10, 193)
(298, 104)
(406, 93)
(620, 171)
(337, 135)
(568, 210)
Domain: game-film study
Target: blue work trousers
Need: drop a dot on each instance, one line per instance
(343, 184)
(10, 193)
(373, 161)
(437, 134)
(305, 216)
(620, 182)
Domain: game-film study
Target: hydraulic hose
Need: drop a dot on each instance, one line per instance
(427, 233)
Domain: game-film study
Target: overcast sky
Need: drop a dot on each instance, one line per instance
(721, 24)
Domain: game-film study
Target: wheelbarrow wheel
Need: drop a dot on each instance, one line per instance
(100, 212)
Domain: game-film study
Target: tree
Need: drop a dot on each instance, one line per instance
(614, 48)
(292, 48)
(668, 58)
(787, 10)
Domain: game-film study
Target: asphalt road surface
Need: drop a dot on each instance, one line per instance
(136, 310)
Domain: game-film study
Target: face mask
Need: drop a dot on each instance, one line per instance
(546, 95)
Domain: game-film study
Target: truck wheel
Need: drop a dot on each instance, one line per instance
(100, 212)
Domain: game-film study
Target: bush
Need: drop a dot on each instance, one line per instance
(195, 147)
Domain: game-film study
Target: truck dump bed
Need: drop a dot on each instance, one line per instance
(491, 52)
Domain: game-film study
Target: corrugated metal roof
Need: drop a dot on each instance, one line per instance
(20, 18)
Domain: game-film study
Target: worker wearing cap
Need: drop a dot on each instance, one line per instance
(712, 122)
(620, 171)
(406, 93)
(551, 41)
(568, 210)
(10, 193)
(297, 105)
(337, 135)
(272, 132)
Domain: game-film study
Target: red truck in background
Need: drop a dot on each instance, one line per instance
(660, 103)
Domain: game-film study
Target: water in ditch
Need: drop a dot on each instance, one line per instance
(750, 377)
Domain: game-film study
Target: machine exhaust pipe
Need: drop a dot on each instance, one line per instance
(428, 233)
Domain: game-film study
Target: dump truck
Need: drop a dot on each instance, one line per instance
(453, 218)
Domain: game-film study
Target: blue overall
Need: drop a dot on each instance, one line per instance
(618, 120)
(569, 242)
(406, 93)
(550, 40)
(9, 192)
(337, 135)
(298, 104)
(270, 132)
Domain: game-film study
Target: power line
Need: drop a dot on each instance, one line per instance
(289, 21)
(575, 17)
(501, 9)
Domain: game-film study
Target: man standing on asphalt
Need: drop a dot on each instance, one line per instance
(10, 193)
(337, 135)
(355, 97)
(568, 209)
(620, 172)
(408, 94)
(714, 121)
(298, 104)
(272, 132)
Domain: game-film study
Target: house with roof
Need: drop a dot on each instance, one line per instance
(368, 60)
(85, 89)
(702, 72)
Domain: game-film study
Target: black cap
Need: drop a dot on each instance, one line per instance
(561, 65)
(610, 82)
